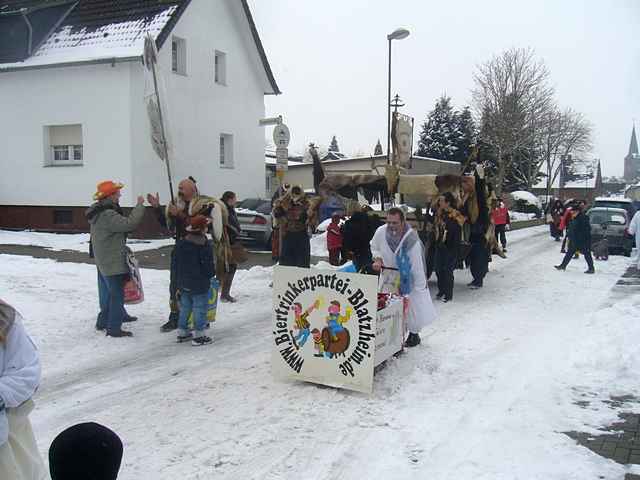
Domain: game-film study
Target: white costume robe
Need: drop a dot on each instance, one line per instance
(634, 229)
(421, 309)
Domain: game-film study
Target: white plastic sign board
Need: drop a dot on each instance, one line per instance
(389, 331)
(324, 327)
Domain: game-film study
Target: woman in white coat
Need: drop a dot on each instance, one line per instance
(397, 246)
(19, 379)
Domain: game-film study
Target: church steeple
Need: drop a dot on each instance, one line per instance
(633, 146)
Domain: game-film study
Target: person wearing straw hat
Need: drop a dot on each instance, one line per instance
(109, 228)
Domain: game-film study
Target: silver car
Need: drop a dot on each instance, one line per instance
(612, 224)
(254, 215)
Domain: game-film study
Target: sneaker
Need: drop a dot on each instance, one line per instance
(184, 338)
(170, 326)
(119, 333)
(504, 249)
(445, 299)
(474, 286)
(129, 319)
(228, 299)
(590, 271)
(559, 267)
(100, 328)
(439, 295)
(413, 340)
(200, 341)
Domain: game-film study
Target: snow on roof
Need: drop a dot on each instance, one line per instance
(584, 175)
(292, 163)
(70, 44)
(581, 183)
(79, 31)
(525, 196)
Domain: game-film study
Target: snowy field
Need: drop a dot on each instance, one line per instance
(486, 396)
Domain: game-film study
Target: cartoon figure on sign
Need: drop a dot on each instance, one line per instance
(302, 322)
(318, 345)
(335, 337)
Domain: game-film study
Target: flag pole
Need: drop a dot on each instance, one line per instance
(164, 137)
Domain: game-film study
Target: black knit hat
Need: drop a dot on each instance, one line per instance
(86, 451)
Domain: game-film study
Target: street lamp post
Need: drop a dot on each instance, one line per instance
(397, 34)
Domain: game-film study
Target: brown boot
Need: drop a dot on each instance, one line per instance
(225, 295)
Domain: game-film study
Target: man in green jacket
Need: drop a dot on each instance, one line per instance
(109, 228)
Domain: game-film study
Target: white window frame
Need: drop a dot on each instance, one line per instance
(220, 68)
(225, 151)
(74, 152)
(178, 55)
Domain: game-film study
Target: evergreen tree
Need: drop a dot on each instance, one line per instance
(440, 133)
(467, 135)
(333, 147)
(378, 149)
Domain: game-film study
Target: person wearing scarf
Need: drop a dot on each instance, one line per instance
(397, 246)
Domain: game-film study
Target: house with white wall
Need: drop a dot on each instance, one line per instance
(72, 110)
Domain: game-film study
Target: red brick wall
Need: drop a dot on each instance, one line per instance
(42, 218)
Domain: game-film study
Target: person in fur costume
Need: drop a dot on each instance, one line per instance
(447, 232)
(477, 211)
(19, 380)
(175, 217)
(293, 212)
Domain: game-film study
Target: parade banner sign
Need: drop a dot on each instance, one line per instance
(389, 331)
(324, 327)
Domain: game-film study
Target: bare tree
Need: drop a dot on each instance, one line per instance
(512, 97)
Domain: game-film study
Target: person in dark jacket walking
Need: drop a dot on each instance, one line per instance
(448, 231)
(555, 214)
(579, 233)
(233, 232)
(109, 228)
(194, 271)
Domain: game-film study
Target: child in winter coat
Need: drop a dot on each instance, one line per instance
(194, 270)
(19, 379)
(334, 240)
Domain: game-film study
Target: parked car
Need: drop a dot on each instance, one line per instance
(254, 215)
(616, 202)
(611, 223)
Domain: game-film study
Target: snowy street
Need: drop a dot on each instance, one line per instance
(487, 395)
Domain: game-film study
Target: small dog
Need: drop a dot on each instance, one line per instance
(601, 249)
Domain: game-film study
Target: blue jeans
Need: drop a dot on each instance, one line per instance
(196, 303)
(111, 296)
(302, 337)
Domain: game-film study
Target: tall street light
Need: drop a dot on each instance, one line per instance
(397, 34)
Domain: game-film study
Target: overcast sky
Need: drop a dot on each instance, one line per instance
(329, 58)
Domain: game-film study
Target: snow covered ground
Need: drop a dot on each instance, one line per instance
(78, 242)
(486, 396)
